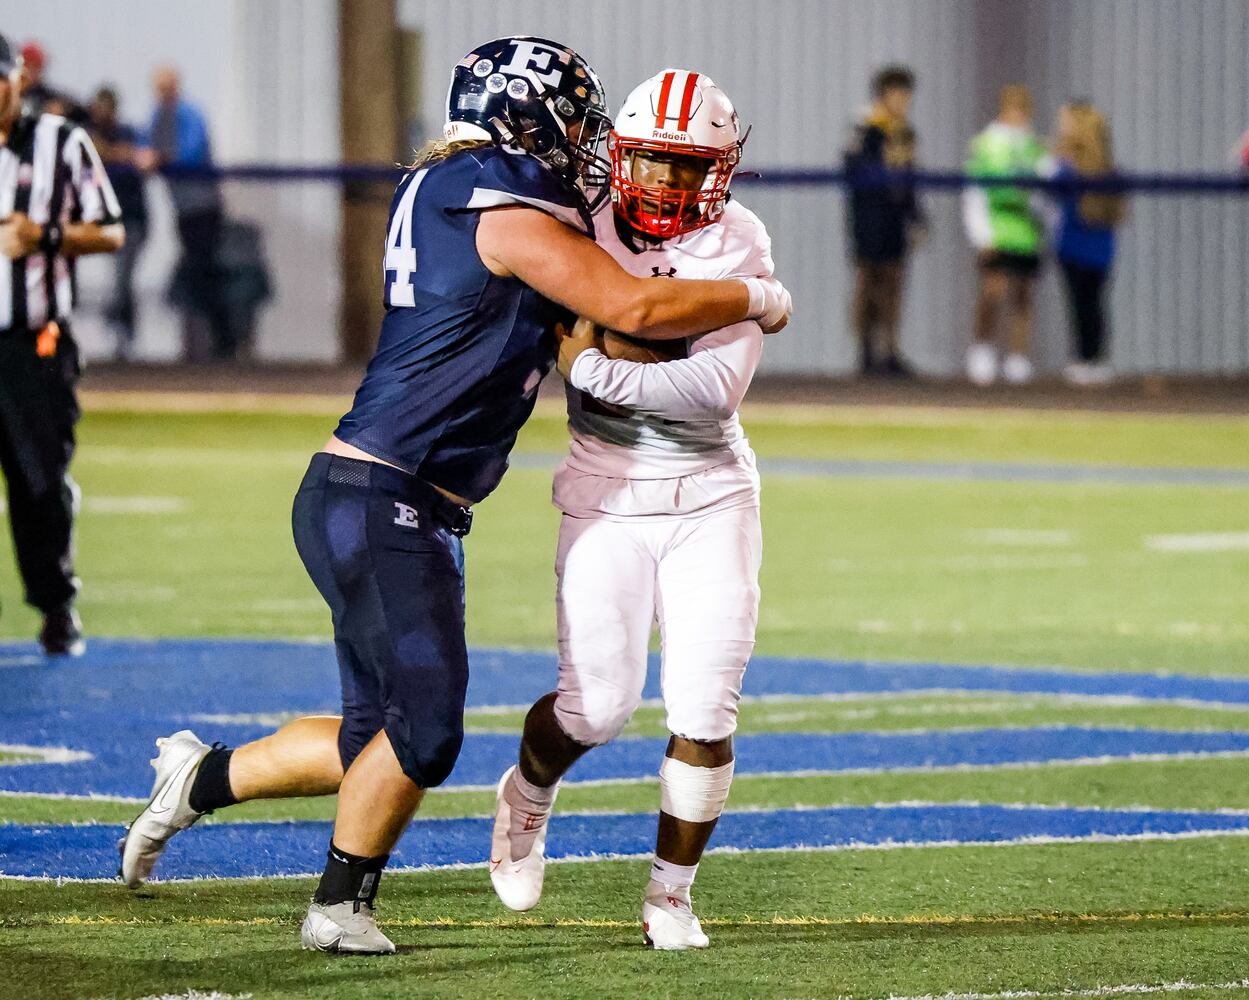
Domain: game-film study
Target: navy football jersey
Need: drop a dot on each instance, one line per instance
(461, 351)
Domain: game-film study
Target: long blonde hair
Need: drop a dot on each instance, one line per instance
(439, 149)
(1085, 144)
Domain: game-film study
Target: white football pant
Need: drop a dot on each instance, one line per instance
(698, 577)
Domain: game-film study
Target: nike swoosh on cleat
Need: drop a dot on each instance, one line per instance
(330, 942)
(159, 805)
(495, 862)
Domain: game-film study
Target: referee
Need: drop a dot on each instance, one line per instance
(55, 204)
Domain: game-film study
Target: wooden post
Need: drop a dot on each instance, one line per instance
(369, 76)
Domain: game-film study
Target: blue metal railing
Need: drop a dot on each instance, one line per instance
(1133, 183)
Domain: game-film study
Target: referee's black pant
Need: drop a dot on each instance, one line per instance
(38, 411)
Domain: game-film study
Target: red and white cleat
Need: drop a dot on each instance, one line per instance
(517, 881)
(668, 922)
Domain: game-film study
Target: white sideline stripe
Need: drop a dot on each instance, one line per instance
(1179, 986)
(1209, 541)
(42, 755)
(333, 404)
(891, 845)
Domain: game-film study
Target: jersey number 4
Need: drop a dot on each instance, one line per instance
(401, 250)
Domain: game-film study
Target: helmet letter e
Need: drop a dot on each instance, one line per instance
(533, 59)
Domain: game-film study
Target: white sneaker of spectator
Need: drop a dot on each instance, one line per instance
(982, 364)
(1017, 369)
(1088, 373)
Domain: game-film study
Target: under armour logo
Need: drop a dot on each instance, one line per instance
(405, 516)
(532, 822)
(670, 273)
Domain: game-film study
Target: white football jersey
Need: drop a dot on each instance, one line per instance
(638, 428)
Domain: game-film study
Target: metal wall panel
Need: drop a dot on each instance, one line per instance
(1170, 73)
(266, 75)
(798, 70)
(1172, 79)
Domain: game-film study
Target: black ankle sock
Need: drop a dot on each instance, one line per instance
(211, 788)
(349, 877)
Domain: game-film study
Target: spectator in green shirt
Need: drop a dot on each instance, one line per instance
(1007, 233)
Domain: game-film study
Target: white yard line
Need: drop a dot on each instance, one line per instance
(1205, 541)
(1123, 989)
(42, 755)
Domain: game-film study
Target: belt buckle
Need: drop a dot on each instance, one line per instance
(461, 522)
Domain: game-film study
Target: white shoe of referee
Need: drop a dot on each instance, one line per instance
(518, 880)
(168, 811)
(668, 921)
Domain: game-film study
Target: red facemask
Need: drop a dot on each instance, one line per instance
(666, 212)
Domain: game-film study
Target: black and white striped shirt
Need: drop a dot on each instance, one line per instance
(50, 171)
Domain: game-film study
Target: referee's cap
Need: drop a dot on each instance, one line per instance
(8, 61)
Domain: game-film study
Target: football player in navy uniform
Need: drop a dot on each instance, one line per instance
(486, 255)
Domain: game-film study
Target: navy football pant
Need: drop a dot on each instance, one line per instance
(374, 542)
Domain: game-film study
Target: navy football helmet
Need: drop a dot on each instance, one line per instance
(538, 96)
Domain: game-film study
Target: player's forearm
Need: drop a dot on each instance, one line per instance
(703, 387)
(84, 238)
(665, 310)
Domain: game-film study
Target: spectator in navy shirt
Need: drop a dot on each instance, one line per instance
(1084, 240)
(884, 221)
(117, 143)
(178, 138)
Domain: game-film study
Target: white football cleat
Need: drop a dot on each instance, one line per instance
(982, 364)
(518, 883)
(668, 922)
(346, 928)
(168, 811)
(1017, 369)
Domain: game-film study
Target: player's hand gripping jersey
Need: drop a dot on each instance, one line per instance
(644, 422)
(461, 350)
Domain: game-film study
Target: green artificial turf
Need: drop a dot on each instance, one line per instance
(185, 532)
(853, 923)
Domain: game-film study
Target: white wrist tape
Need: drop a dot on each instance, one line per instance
(694, 794)
(757, 302)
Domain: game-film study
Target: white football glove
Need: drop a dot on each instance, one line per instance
(770, 303)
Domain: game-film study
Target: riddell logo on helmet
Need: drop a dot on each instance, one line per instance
(673, 136)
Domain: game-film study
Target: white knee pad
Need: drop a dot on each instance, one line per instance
(694, 794)
(702, 687)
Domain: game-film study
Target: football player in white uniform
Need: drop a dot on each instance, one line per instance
(660, 502)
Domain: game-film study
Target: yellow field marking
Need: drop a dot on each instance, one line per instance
(528, 923)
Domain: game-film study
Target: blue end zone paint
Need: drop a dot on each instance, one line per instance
(116, 700)
(266, 849)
